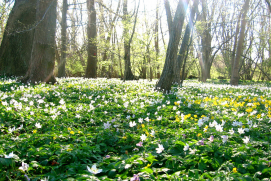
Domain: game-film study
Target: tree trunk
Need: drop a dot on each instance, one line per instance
(169, 17)
(184, 47)
(144, 70)
(61, 65)
(16, 46)
(43, 52)
(206, 40)
(235, 73)
(149, 61)
(128, 75)
(91, 71)
(167, 76)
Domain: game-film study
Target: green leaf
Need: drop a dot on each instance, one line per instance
(147, 170)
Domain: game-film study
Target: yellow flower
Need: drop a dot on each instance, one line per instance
(177, 119)
(69, 149)
(124, 137)
(249, 110)
(199, 134)
(79, 132)
(143, 126)
(195, 116)
(54, 137)
(69, 129)
(34, 131)
(72, 132)
(148, 165)
(205, 128)
(234, 170)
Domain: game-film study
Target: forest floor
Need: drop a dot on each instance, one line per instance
(100, 129)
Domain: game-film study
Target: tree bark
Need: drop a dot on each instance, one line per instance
(61, 65)
(184, 47)
(43, 52)
(206, 40)
(169, 17)
(167, 76)
(235, 73)
(91, 71)
(16, 46)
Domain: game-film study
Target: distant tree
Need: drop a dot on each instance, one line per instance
(16, 46)
(91, 71)
(109, 26)
(42, 60)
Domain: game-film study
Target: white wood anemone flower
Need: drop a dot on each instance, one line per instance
(94, 169)
(160, 148)
(24, 167)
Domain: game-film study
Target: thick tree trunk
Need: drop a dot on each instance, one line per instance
(206, 40)
(61, 65)
(184, 47)
(205, 70)
(235, 73)
(43, 52)
(167, 76)
(91, 71)
(16, 46)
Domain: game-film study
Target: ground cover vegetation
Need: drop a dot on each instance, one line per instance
(100, 129)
